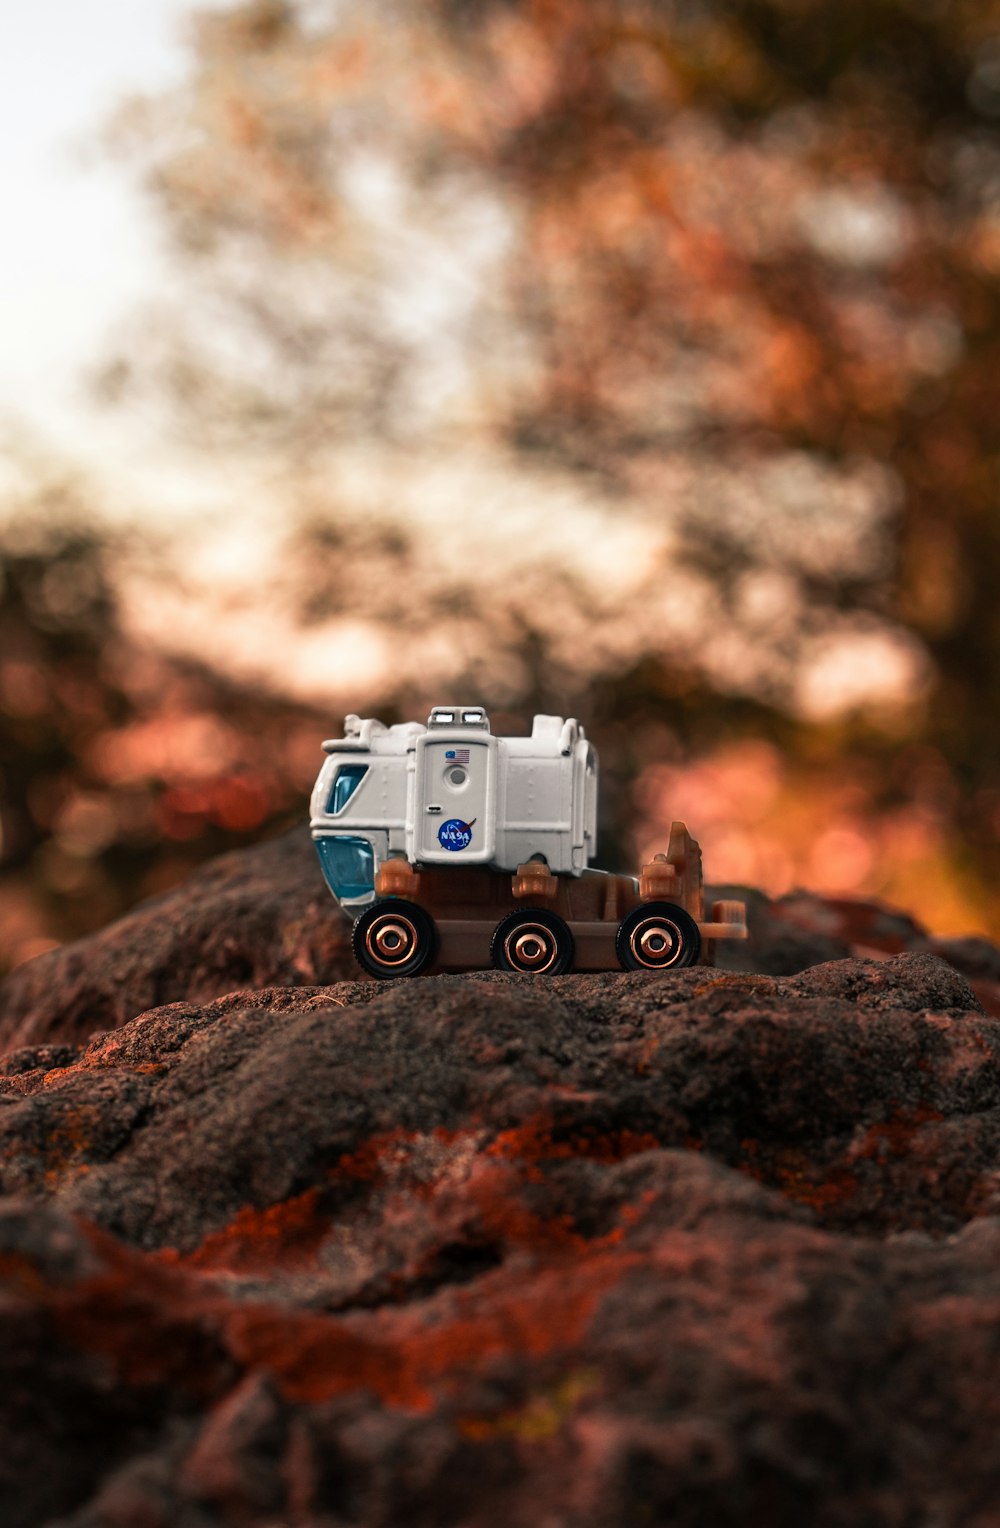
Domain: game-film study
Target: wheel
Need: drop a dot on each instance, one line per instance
(394, 938)
(532, 939)
(658, 936)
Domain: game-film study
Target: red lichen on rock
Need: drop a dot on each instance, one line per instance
(410, 1363)
(286, 1235)
(468, 1250)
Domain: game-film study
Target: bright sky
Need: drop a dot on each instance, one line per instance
(79, 254)
(78, 251)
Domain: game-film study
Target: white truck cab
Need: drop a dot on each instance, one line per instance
(452, 793)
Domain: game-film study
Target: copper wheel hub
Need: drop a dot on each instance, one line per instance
(656, 943)
(391, 940)
(531, 948)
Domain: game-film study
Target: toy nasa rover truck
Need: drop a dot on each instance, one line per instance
(455, 848)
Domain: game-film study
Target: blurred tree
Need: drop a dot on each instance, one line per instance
(732, 266)
(120, 769)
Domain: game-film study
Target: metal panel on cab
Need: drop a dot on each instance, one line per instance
(456, 792)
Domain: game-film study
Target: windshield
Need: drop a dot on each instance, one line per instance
(348, 865)
(345, 783)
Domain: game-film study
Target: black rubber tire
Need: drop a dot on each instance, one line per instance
(394, 938)
(534, 941)
(658, 936)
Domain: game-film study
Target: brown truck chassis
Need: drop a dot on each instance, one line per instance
(452, 919)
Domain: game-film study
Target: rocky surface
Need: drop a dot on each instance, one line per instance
(708, 1249)
(263, 917)
(254, 918)
(718, 1248)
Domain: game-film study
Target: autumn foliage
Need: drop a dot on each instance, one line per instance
(631, 359)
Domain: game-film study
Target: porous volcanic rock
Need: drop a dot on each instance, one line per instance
(785, 933)
(262, 917)
(781, 940)
(469, 1251)
(253, 918)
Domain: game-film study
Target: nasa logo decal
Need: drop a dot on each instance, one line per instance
(455, 834)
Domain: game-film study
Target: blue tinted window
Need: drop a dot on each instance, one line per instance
(348, 865)
(346, 782)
